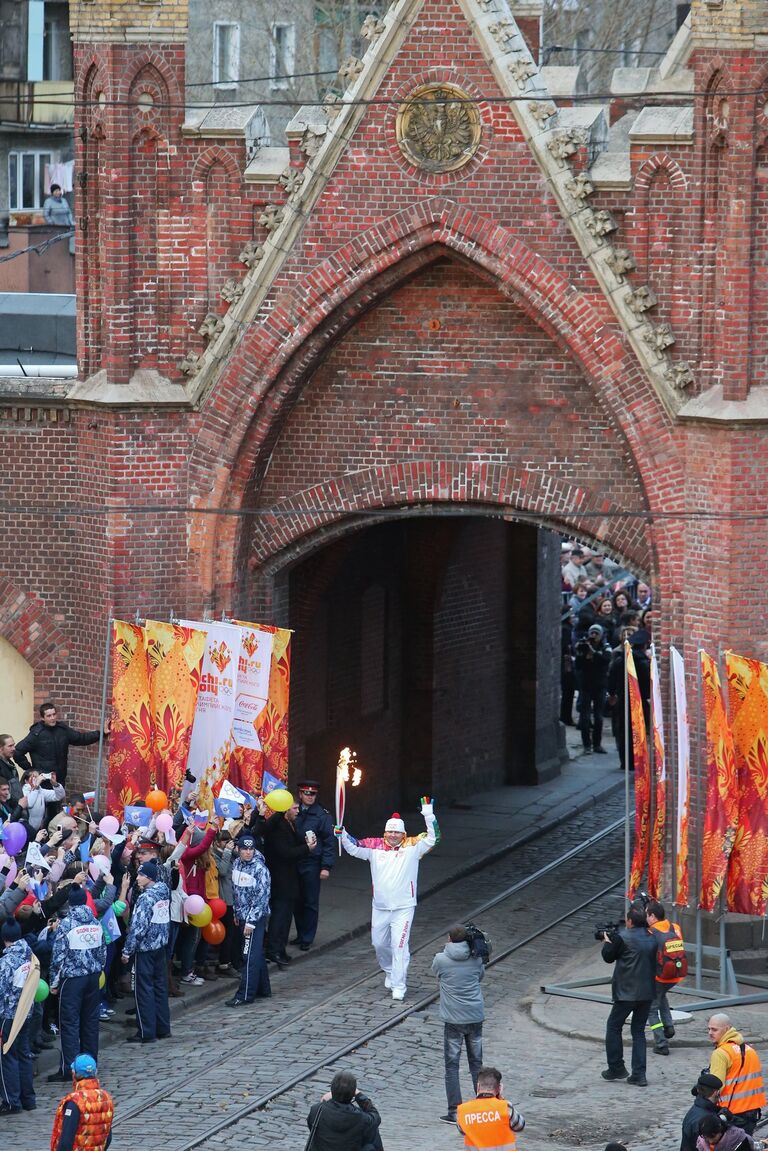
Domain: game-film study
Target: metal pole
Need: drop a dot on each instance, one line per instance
(627, 862)
(723, 956)
(107, 650)
(672, 774)
(699, 836)
(699, 954)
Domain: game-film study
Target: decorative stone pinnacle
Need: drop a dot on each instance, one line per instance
(332, 105)
(372, 27)
(521, 71)
(211, 326)
(621, 262)
(291, 180)
(504, 33)
(350, 69)
(580, 187)
(190, 365)
(487, 5)
(601, 223)
(232, 290)
(251, 254)
(679, 375)
(311, 142)
(659, 337)
(542, 112)
(566, 143)
(271, 217)
(641, 300)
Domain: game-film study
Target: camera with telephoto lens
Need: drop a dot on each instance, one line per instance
(608, 929)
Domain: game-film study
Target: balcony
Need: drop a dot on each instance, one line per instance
(48, 103)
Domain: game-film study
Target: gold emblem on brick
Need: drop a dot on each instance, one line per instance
(439, 128)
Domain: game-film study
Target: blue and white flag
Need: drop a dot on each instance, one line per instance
(110, 926)
(270, 783)
(227, 808)
(236, 794)
(137, 816)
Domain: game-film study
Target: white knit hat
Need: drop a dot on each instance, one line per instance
(395, 823)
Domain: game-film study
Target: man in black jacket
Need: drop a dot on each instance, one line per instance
(49, 741)
(283, 848)
(10, 771)
(705, 1093)
(633, 950)
(344, 1119)
(593, 659)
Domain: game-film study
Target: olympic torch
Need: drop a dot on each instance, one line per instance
(346, 771)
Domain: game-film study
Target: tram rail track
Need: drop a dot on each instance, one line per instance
(310, 1018)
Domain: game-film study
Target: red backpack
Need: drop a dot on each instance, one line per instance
(671, 960)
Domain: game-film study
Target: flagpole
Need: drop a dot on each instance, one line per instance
(672, 775)
(699, 837)
(107, 650)
(627, 863)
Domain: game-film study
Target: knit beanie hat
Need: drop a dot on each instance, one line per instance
(77, 896)
(395, 823)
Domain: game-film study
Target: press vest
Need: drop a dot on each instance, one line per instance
(743, 1089)
(668, 930)
(485, 1123)
(96, 1110)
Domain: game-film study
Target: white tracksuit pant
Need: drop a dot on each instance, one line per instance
(390, 932)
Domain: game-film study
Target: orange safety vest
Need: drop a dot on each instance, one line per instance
(96, 1110)
(743, 1089)
(485, 1123)
(665, 927)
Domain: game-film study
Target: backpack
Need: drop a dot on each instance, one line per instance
(479, 943)
(671, 960)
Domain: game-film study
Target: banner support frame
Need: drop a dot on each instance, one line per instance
(107, 651)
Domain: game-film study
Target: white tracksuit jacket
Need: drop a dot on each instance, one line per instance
(394, 870)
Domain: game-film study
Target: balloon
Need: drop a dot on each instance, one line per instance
(203, 919)
(164, 822)
(109, 826)
(214, 934)
(279, 799)
(43, 991)
(14, 838)
(93, 870)
(8, 869)
(156, 800)
(218, 909)
(194, 904)
(98, 865)
(102, 980)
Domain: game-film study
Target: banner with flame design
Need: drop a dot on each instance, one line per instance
(722, 805)
(748, 865)
(656, 858)
(210, 747)
(271, 723)
(642, 775)
(246, 766)
(683, 772)
(155, 680)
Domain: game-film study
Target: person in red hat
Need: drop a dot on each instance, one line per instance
(394, 864)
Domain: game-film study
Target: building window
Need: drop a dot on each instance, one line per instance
(27, 179)
(226, 55)
(282, 54)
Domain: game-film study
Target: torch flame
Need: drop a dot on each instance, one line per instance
(357, 775)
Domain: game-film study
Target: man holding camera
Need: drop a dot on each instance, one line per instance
(593, 660)
(344, 1119)
(633, 951)
(462, 1011)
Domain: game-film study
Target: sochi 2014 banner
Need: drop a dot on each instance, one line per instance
(722, 804)
(211, 744)
(155, 680)
(246, 768)
(271, 723)
(748, 865)
(642, 775)
(656, 858)
(677, 667)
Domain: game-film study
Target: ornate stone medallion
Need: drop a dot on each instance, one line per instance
(439, 128)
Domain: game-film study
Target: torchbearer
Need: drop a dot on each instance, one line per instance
(394, 864)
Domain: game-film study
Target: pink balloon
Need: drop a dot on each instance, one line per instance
(194, 904)
(14, 838)
(93, 870)
(164, 822)
(109, 825)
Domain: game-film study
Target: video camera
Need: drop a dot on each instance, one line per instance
(608, 929)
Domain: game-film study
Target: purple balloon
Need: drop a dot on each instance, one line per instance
(14, 838)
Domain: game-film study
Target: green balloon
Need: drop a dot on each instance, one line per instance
(43, 991)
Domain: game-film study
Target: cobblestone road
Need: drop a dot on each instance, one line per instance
(220, 1060)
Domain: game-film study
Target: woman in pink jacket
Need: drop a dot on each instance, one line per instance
(193, 868)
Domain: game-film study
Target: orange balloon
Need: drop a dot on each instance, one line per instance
(214, 933)
(156, 800)
(218, 908)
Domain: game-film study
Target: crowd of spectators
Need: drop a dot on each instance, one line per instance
(603, 605)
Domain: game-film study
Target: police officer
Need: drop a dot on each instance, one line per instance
(79, 955)
(145, 942)
(314, 868)
(16, 1068)
(489, 1120)
(84, 1116)
(251, 890)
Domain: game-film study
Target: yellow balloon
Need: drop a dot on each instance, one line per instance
(203, 918)
(279, 799)
(102, 980)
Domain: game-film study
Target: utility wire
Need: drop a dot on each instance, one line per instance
(38, 248)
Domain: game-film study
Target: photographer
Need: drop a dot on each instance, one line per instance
(633, 950)
(462, 1011)
(38, 791)
(344, 1119)
(593, 660)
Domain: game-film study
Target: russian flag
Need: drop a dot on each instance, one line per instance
(89, 796)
